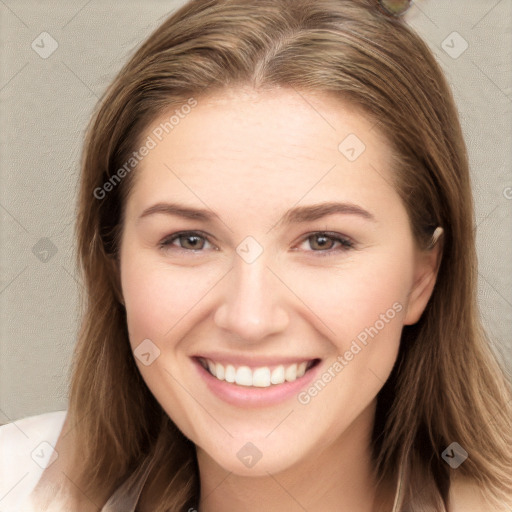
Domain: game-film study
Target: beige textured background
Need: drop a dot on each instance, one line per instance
(46, 101)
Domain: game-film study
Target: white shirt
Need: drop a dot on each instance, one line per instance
(26, 449)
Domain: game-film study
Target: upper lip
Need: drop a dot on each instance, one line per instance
(253, 361)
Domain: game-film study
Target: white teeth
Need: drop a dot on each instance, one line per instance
(277, 375)
(243, 376)
(230, 373)
(261, 377)
(219, 371)
(211, 367)
(290, 373)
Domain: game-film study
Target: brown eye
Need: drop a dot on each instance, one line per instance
(192, 241)
(324, 243)
(321, 241)
(188, 241)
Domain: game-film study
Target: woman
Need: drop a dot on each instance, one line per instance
(276, 235)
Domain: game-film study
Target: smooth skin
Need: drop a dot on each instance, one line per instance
(249, 157)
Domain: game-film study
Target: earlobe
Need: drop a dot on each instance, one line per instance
(427, 268)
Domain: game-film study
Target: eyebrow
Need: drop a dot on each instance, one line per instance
(295, 215)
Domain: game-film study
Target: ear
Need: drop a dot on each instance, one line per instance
(427, 266)
(115, 277)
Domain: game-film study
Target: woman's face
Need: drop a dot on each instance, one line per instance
(300, 257)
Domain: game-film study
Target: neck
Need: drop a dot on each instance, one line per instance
(339, 478)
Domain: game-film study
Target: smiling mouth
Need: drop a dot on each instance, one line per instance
(261, 377)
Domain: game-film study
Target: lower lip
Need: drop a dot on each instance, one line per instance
(246, 396)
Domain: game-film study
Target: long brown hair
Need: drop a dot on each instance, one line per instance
(446, 386)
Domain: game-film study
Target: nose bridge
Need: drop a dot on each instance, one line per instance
(252, 306)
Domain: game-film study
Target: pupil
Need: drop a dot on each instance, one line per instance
(192, 239)
(322, 239)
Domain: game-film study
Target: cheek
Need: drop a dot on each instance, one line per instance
(157, 296)
(365, 312)
(348, 300)
(361, 311)
(158, 300)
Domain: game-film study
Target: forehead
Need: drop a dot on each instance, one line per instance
(244, 145)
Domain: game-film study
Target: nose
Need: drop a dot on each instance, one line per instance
(253, 303)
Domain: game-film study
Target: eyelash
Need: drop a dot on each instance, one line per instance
(346, 244)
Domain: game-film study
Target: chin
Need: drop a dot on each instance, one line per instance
(255, 458)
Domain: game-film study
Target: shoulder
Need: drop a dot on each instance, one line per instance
(466, 496)
(26, 449)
